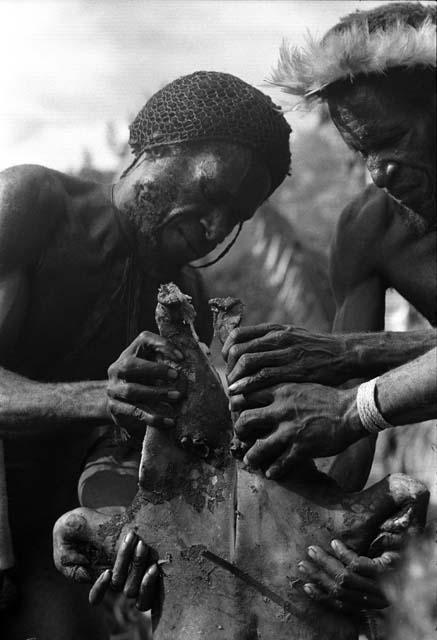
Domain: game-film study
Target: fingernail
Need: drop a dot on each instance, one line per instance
(172, 374)
(268, 473)
(334, 545)
(173, 395)
(232, 387)
(129, 537)
(301, 567)
(308, 589)
(179, 354)
(142, 548)
(246, 461)
(169, 422)
(312, 552)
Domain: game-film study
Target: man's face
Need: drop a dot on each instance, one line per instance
(184, 203)
(396, 137)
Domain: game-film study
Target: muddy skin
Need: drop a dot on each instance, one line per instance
(229, 540)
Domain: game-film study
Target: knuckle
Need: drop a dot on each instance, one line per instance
(342, 577)
(354, 566)
(127, 391)
(141, 415)
(245, 360)
(234, 352)
(112, 369)
(336, 591)
(234, 334)
(240, 429)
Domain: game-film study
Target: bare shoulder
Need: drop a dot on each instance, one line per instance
(365, 219)
(361, 229)
(32, 198)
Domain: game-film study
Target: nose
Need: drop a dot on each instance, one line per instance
(383, 173)
(216, 225)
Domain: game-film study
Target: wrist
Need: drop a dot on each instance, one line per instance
(353, 357)
(91, 400)
(352, 424)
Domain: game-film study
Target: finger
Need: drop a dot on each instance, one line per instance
(137, 569)
(332, 587)
(123, 560)
(140, 370)
(287, 462)
(99, 588)
(245, 334)
(147, 342)
(255, 357)
(238, 403)
(374, 567)
(370, 567)
(317, 594)
(262, 379)
(252, 423)
(329, 564)
(137, 393)
(387, 541)
(344, 576)
(343, 553)
(262, 453)
(251, 401)
(148, 589)
(128, 413)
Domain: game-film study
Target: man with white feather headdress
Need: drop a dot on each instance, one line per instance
(375, 71)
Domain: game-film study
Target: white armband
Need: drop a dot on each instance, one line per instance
(369, 414)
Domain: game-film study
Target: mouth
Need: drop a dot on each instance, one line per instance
(195, 248)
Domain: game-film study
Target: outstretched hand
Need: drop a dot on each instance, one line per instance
(288, 422)
(142, 390)
(348, 582)
(134, 571)
(268, 354)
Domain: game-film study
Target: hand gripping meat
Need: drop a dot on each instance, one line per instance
(228, 539)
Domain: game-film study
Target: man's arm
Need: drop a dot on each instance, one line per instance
(408, 394)
(31, 201)
(265, 355)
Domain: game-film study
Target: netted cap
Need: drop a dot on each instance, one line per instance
(208, 105)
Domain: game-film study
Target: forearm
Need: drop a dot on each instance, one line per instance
(404, 395)
(26, 405)
(408, 393)
(370, 354)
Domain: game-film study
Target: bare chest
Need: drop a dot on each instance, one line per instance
(410, 267)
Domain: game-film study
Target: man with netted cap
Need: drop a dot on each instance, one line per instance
(375, 70)
(80, 267)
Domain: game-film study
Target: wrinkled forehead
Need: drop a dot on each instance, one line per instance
(369, 106)
(399, 93)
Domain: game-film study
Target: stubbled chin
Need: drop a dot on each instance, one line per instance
(419, 225)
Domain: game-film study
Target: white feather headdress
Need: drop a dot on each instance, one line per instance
(305, 71)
